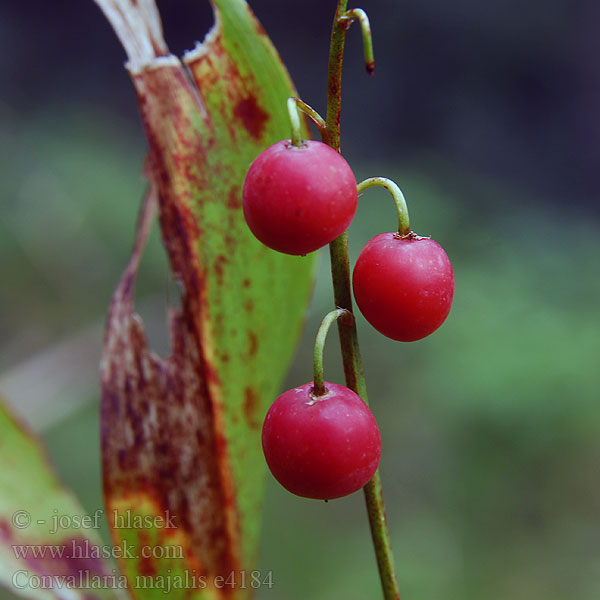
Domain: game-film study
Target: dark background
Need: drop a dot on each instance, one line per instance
(508, 89)
(486, 114)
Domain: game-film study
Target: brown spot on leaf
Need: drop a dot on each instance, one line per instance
(252, 116)
(251, 407)
(252, 343)
(259, 28)
(146, 564)
(220, 261)
(212, 374)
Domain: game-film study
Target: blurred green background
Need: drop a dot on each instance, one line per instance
(491, 427)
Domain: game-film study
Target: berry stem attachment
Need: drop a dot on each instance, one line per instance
(357, 14)
(310, 112)
(340, 273)
(294, 121)
(330, 317)
(396, 192)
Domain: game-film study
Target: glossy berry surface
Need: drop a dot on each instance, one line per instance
(321, 447)
(403, 286)
(297, 199)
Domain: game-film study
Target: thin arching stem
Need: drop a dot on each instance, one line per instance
(310, 112)
(357, 14)
(330, 317)
(397, 195)
(340, 272)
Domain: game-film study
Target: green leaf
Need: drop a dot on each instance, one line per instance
(47, 542)
(181, 436)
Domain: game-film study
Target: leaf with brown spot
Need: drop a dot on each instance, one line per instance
(182, 435)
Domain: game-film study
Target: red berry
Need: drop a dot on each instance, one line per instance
(321, 447)
(297, 199)
(403, 286)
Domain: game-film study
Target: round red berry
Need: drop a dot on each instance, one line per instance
(321, 447)
(403, 285)
(297, 199)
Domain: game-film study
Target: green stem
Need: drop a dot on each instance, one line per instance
(294, 122)
(396, 192)
(331, 135)
(330, 317)
(357, 14)
(340, 272)
(310, 112)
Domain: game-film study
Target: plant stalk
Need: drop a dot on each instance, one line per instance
(340, 272)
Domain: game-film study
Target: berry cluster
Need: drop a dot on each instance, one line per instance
(321, 440)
